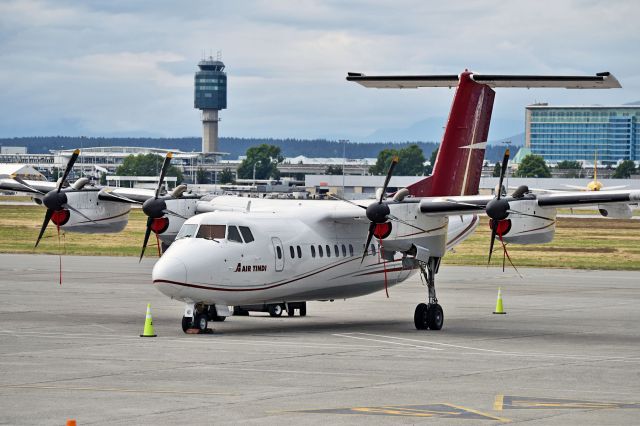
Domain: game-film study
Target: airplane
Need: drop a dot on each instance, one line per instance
(290, 251)
(85, 208)
(595, 184)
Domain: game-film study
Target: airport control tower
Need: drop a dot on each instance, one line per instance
(210, 97)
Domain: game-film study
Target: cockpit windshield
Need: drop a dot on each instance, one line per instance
(187, 231)
(212, 232)
(216, 232)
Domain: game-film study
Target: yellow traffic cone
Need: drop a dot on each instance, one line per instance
(148, 324)
(499, 307)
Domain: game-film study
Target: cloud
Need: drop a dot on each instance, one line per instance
(99, 67)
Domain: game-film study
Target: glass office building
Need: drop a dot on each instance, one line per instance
(560, 133)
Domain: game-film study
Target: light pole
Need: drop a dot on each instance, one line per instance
(254, 173)
(344, 160)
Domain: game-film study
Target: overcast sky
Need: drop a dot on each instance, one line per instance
(105, 68)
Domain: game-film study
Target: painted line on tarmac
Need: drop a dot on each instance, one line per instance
(499, 352)
(197, 340)
(125, 390)
(350, 336)
(435, 410)
(503, 402)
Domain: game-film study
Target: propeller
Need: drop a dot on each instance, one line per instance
(156, 208)
(378, 213)
(56, 201)
(497, 209)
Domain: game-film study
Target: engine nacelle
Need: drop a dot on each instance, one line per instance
(521, 229)
(615, 211)
(105, 216)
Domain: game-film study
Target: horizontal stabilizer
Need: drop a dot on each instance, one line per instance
(603, 80)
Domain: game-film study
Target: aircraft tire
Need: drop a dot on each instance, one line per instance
(201, 322)
(187, 323)
(275, 310)
(435, 317)
(420, 317)
(303, 309)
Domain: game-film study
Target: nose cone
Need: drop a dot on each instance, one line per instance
(168, 273)
(169, 270)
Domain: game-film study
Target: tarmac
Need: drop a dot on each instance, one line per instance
(566, 352)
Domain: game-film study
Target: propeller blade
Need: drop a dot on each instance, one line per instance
(372, 227)
(108, 193)
(163, 172)
(146, 237)
(67, 206)
(67, 170)
(494, 229)
(26, 185)
(397, 219)
(337, 197)
(47, 218)
(167, 211)
(531, 215)
(503, 170)
(394, 161)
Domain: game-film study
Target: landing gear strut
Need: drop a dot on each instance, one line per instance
(429, 315)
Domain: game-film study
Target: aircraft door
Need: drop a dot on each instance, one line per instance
(279, 253)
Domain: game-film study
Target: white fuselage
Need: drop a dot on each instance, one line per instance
(301, 250)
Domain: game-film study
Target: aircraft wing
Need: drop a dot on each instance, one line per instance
(586, 198)
(449, 206)
(577, 187)
(611, 188)
(126, 195)
(33, 187)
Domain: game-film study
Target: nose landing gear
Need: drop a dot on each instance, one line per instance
(196, 318)
(429, 315)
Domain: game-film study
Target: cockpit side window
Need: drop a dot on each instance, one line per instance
(211, 232)
(234, 235)
(246, 234)
(188, 230)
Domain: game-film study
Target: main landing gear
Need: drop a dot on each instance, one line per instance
(429, 315)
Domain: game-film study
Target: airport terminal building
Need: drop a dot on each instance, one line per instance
(560, 133)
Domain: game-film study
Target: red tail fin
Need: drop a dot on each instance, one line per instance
(461, 155)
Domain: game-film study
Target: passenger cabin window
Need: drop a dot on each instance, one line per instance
(187, 231)
(344, 251)
(313, 251)
(246, 234)
(350, 250)
(336, 251)
(299, 252)
(234, 235)
(279, 252)
(291, 252)
(320, 251)
(328, 250)
(211, 232)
